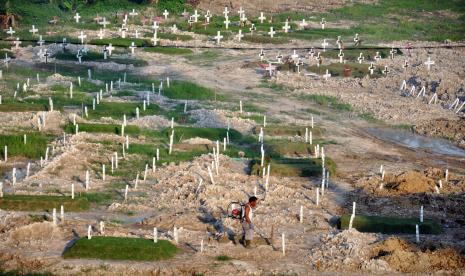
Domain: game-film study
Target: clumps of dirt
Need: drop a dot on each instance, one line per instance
(454, 130)
(36, 234)
(151, 122)
(430, 180)
(408, 258)
(221, 119)
(346, 250)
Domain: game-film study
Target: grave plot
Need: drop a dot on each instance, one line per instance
(133, 133)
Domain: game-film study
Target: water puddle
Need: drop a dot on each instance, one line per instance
(415, 141)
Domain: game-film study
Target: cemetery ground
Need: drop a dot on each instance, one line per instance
(126, 163)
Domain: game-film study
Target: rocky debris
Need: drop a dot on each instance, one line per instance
(454, 130)
(151, 122)
(220, 119)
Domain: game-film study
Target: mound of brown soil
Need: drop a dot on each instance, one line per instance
(410, 182)
(407, 258)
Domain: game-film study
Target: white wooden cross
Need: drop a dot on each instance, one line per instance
(132, 47)
(371, 68)
(360, 58)
(339, 42)
(262, 54)
(286, 26)
(196, 16)
(165, 14)
(225, 12)
(6, 60)
(110, 49)
(240, 12)
(261, 18)
(239, 35)
(429, 62)
(303, 24)
(323, 23)
(405, 66)
(299, 64)
(101, 34)
(123, 32)
(393, 52)
(34, 30)
(133, 13)
(17, 42)
(324, 44)
(208, 16)
(356, 38)
(327, 75)
(82, 37)
(174, 29)
(10, 31)
(341, 56)
(377, 56)
(311, 53)
(226, 22)
(40, 41)
(154, 39)
(252, 28)
(79, 56)
(136, 34)
(386, 70)
(318, 59)
(104, 22)
(271, 32)
(295, 55)
(218, 37)
(155, 26)
(77, 17)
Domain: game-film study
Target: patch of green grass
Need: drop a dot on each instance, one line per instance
(183, 90)
(369, 117)
(390, 225)
(170, 36)
(121, 42)
(120, 248)
(280, 130)
(43, 203)
(34, 148)
(327, 101)
(103, 128)
(168, 50)
(223, 258)
(265, 39)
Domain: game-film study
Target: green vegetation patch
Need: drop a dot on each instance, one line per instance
(213, 134)
(328, 101)
(34, 148)
(116, 110)
(119, 248)
(103, 128)
(168, 50)
(43, 203)
(390, 225)
(182, 90)
(98, 57)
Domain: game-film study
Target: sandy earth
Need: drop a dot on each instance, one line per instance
(171, 196)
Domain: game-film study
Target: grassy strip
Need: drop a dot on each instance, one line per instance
(169, 50)
(182, 90)
(102, 128)
(213, 134)
(328, 101)
(390, 225)
(34, 147)
(43, 203)
(119, 248)
(118, 109)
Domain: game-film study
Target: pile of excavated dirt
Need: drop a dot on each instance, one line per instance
(413, 182)
(454, 130)
(408, 258)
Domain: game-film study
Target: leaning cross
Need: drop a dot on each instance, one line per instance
(324, 44)
(360, 58)
(371, 68)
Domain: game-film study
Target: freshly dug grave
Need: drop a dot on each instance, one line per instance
(413, 182)
(407, 258)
